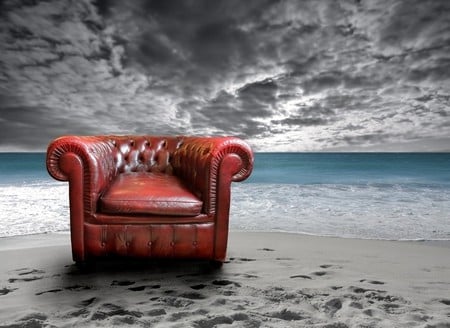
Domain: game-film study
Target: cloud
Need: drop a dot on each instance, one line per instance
(284, 75)
(415, 25)
(18, 126)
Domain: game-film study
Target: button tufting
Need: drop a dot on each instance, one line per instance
(149, 243)
(172, 243)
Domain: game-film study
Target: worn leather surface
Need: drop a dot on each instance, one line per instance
(149, 193)
(205, 166)
(126, 219)
(153, 240)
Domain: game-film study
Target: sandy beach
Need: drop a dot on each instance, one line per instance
(269, 280)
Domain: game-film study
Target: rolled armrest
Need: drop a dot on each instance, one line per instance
(198, 161)
(88, 160)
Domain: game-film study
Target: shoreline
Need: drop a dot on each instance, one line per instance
(63, 237)
(269, 280)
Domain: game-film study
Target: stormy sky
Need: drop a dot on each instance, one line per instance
(294, 75)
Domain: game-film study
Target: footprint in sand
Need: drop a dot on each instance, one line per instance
(24, 272)
(176, 302)
(77, 288)
(356, 305)
(108, 310)
(333, 305)
(219, 302)
(445, 301)
(225, 282)
(49, 291)
(439, 325)
(198, 287)
(243, 319)
(228, 293)
(88, 302)
(5, 291)
(122, 283)
(13, 280)
(32, 320)
(377, 295)
(213, 322)
(241, 259)
(373, 282)
(300, 276)
(391, 308)
(286, 315)
(156, 312)
(304, 276)
(193, 296)
(248, 275)
(71, 288)
(183, 314)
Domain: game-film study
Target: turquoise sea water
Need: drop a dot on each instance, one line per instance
(432, 169)
(364, 195)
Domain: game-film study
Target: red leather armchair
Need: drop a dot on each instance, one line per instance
(149, 196)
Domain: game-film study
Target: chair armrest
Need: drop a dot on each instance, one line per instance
(86, 162)
(208, 164)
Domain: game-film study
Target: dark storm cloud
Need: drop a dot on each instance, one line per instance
(18, 126)
(261, 92)
(414, 24)
(302, 121)
(334, 79)
(56, 60)
(203, 36)
(225, 113)
(284, 75)
(239, 112)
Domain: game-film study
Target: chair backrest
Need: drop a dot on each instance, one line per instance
(144, 153)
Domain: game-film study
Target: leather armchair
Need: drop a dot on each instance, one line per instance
(149, 196)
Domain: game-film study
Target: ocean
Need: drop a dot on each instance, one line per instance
(395, 196)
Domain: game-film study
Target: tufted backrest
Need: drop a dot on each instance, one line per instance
(144, 153)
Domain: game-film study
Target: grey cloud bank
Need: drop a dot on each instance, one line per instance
(283, 75)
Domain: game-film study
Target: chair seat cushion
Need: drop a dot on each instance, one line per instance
(149, 193)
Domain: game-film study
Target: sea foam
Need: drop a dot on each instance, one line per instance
(34, 208)
(358, 211)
